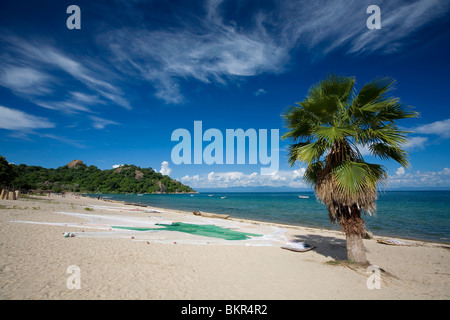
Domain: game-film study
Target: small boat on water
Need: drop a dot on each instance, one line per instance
(210, 195)
(224, 197)
(303, 197)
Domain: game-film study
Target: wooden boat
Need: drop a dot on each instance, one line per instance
(211, 215)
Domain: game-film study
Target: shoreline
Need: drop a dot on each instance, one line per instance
(34, 258)
(285, 225)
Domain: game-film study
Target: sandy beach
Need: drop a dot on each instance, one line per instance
(35, 257)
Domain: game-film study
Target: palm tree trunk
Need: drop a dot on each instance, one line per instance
(355, 249)
(353, 226)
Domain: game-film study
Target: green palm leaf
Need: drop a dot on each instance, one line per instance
(322, 107)
(328, 126)
(300, 123)
(373, 91)
(307, 152)
(332, 133)
(386, 152)
(353, 178)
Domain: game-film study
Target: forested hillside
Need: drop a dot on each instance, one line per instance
(78, 177)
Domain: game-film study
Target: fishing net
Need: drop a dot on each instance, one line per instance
(201, 230)
(194, 230)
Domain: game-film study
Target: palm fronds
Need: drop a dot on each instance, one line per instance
(326, 130)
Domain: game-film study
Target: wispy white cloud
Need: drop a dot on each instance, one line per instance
(208, 45)
(320, 24)
(65, 106)
(100, 123)
(165, 58)
(86, 98)
(25, 80)
(25, 126)
(417, 140)
(216, 47)
(205, 49)
(12, 119)
(260, 92)
(62, 139)
(34, 68)
(416, 143)
(440, 128)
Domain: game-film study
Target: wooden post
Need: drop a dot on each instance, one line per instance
(11, 195)
(3, 194)
(17, 194)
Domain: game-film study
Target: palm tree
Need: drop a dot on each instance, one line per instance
(327, 130)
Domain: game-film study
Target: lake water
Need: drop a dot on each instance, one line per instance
(423, 215)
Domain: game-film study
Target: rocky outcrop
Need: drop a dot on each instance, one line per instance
(138, 175)
(162, 187)
(74, 163)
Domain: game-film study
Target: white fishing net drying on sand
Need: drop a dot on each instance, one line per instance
(154, 229)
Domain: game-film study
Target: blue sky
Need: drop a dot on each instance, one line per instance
(113, 91)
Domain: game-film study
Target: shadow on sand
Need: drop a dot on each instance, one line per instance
(330, 247)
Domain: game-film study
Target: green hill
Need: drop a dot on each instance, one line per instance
(78, 177)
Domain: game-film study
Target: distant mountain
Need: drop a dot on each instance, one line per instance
(78, 177)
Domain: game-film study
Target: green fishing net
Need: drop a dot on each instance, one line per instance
(201, 230)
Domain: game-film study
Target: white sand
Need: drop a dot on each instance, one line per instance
(34, 259)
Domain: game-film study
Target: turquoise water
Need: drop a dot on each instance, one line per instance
(421, 215)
